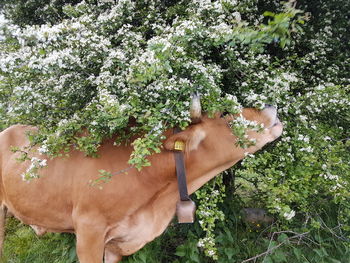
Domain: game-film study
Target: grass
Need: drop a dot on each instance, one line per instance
(23, 246)
(179, 245)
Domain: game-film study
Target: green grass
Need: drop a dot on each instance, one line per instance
(23, 246)
(178, 244)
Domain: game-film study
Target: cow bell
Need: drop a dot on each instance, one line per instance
(185, 211)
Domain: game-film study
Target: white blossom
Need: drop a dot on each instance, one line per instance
(289, 215)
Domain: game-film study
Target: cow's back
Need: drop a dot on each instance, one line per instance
(37, 201)
(15, 135)
(64, 187)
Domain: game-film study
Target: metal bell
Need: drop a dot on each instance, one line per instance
(185, 211)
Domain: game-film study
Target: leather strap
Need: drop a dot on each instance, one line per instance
(181, 172)
(185, 207)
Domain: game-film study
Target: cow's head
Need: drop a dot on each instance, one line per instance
(214, 134)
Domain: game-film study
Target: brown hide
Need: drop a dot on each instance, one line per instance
(131, 209)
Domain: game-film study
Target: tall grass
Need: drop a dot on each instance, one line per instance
(23, 246)
(236, 243)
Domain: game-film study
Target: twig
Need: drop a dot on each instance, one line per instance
(296, 235)
(331, 230)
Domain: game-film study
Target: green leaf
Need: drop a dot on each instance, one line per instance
(298, 253)
(282, 238)
(268, 13)
(180, 251)
(267, 259)
(279, 257)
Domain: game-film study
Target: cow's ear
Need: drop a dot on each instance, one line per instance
(187, 140)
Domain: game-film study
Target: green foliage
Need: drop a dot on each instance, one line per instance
(34, 12)
(208, 214)
(101, 65)
(235, 243)
(110, 63)
(188, 252)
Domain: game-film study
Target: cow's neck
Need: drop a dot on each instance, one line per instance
(195, 182)
(150, 220)
(203, 165)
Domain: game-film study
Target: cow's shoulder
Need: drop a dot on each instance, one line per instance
(18, 129)
(16, 136)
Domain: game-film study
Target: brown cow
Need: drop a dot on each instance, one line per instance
(131, 209)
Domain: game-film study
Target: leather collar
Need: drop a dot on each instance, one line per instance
(185, 207)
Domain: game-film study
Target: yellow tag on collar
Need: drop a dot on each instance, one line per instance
(179, 146)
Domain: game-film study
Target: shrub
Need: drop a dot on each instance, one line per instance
(101, 63)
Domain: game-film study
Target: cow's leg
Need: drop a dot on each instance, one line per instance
(111, 255)
(90, 243)
(2, 226)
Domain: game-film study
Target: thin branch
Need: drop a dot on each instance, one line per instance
(296, 235)
(331, 230)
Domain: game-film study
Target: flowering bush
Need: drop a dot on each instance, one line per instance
(108, 64)
(311, 162)
(97, 65)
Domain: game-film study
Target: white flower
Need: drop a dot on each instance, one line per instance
(32, 171)
(63, 122)
(286, 139)
(289, 215)
(237, 16)
(248, 154)
(330, 176)
(43, 149)
(43, 163)
(303, 118)
(290, 77)
(308, 149)
(200, 243)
